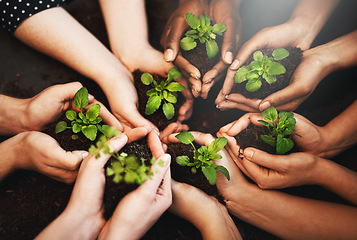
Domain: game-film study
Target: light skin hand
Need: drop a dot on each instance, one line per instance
(83, 215)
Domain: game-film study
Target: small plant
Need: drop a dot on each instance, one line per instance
(164, 93)
(87, 123)
(125, 168)
(280, 129)
(204, 32)
(262, 67)
(203, 157)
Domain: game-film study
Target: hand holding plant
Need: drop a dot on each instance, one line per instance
(163, 93)
(203, 157)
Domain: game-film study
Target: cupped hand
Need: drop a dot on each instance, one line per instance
(140, 209)
(286, 34)
(42, 153)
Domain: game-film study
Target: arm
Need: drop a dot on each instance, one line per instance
(57, 34)
(284, 215)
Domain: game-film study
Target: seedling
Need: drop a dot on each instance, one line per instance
(204, 32)
(280, 129)
(124, 168)
(263, 67)
(202, 158)
(164, 93)
(87, 123)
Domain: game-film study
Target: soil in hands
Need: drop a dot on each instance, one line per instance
(198, 56)
(290, 63)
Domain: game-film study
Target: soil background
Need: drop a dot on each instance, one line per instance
(25, 72)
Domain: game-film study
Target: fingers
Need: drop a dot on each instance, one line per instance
(161, 175)
(172, 128)
(155, 145)
(115, 144)
(227, 86)
(191, 73)
(137, 133)
(229, 41)
(238, 101)
(212, 77)
(186, 110)
(172, 43)
(202, 138)
(66, 92)
(236, 127)
(275, 162)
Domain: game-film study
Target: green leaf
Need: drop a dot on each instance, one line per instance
(212, 48)
(109, 131)
(174, 73)
(76, 128)
(241, 75)
(60, 127)
(81, 98)
(188, 43)
(185, 137)
(210, 173)
(71, 115)
(224, 171)
(153, 104)
(270, 79)
(269, 140)
(93, 112)
(191, 33)
(147, 78)
(252, 75)
(283, 145)
(151, 92)
(81, 116)
(203, 22)
(256, 65)
(90, 132)
(130, 177)
(280, 53)
(217, 145)
(264, 123)
(214, 156)
(270, 114)
(170, 98)
(219, 28)
(182, 160)
(168, 110)
(175, 87)
(286, 115)
(253, 85)
(207, 21)
(258, 56)
(275, 68)
(192, 20)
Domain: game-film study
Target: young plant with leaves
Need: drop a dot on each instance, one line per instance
(124, 168)
(87, 123)
(164, 93)
(263, 67)
(202, 158)
(203, 32)
(280, 128)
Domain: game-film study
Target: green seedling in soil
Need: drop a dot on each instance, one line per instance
(164, 93)
(203, 32)
(87, 123)
(124, 168)
(263, 67)
(202, 158)
(280, 128)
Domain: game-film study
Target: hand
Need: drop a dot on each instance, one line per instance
(46, 106)
(291, 33)
(83, 217)
(170, 40)
(227, 12)
(146, 203)
(40, 152)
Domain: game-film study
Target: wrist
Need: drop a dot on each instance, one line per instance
(15, 118)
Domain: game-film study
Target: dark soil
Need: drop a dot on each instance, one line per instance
(290, 63)
(198, 56)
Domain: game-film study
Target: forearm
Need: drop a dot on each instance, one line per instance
(9, 150)
(341, 132)
(127, 26)
(291, 217)
(13, 117)
(56, 33)
(311, 15)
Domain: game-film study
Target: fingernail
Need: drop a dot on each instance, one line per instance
(157, 132)
(120, 137)
(217, 106)
(84, 155)
(169, 55)
(264, 106)
(194, 76)
(228, 57)
(248, 153)
(90, 97)
(235, 65)
(226, 97)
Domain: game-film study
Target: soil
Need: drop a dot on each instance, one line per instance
(290, 63)
(198, 56)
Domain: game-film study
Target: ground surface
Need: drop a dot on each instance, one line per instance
(25, 72)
